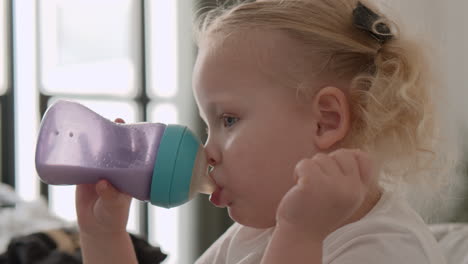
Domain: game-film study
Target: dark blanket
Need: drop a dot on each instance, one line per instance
(61, 246)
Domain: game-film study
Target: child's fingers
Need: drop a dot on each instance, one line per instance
(119, 120)
(366, 166)
(85, 194)
(346, 161)
(327, 164)
(305, 170)
(109, 195)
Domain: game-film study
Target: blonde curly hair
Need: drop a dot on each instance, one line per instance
(391, 84)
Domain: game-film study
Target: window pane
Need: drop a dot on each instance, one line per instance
(3, 47)
(162, 48)
(127, 110)
(62, 203)
(62, 198)
(163, 113)
(90, 47)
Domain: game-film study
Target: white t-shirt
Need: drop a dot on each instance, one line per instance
(392, 232)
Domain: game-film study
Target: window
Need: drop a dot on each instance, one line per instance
(95, 61)
(96, 56)
(121, 58)
(162, 48)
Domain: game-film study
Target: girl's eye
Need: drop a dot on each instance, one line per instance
(229, 120)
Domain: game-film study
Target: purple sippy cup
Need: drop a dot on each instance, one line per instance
(163, 164)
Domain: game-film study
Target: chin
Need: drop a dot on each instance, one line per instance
(254, 220)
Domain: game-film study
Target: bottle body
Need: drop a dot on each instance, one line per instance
(76, 145)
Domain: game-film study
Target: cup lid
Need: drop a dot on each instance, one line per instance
(172, 174)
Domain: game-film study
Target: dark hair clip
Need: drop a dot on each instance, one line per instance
(364, 19)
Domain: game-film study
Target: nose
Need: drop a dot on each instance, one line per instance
(212, 153)
(212, 162)
(212, 157)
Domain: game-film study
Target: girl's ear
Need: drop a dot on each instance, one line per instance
(332, 116)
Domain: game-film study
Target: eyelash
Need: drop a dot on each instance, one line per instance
(223, 118)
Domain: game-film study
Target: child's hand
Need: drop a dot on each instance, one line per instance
(101, 209)
(329, 190)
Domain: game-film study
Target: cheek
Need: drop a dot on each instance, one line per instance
(243, 152)
(261, 160)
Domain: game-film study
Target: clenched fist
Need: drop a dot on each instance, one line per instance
(101, 209)
(329, 189)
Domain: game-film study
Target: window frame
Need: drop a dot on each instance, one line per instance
(7, 124)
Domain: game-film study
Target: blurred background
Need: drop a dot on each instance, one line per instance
(133, 59)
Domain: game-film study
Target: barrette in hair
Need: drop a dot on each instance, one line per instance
(364, 19)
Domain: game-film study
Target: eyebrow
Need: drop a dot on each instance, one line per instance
(202, 113)
(212, 108)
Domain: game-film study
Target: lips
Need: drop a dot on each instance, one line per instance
(216, 197)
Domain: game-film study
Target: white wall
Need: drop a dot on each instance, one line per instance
(444, 24)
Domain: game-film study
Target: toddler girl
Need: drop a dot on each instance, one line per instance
(314, 110)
